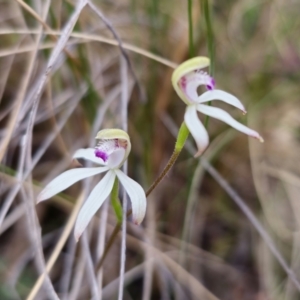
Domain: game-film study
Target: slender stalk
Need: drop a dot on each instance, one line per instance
(191, 37)
(108, 245)
(181, 139)
(210, 43)
(206, 118)
(114, 197)
(210, 36)
(164, 172)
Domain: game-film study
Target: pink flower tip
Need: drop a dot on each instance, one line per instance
(137, 222)
(200, 152)
(260, 139)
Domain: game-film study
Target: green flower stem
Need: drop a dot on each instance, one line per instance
(181, 139)
(210, 36)
(210, 43)
(191, 38)
(114, 196)
(206, 119)
(183, 134)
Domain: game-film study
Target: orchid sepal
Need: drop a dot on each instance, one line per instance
(224, 116)
(66, 179)
(96, 198)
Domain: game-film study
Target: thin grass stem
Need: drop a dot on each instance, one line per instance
(191, 36)
(124, 116)
(210, 44)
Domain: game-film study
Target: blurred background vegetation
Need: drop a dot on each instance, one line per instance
(194, 239)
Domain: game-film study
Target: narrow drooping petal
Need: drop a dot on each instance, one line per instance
(196, 128)
(136, 195)
(93, 203)
(222, 115)
(89, 154)
(221, 95)
(67, 179)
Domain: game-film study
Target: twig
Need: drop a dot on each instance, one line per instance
(110, 242)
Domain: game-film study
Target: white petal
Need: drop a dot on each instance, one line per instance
(116, 158)
(88, 154)
(194, 80)
(196, 128)
(227, 118)
(191, 90)
(137, 196)
(66, 179)
(221, 95)
(93, 202)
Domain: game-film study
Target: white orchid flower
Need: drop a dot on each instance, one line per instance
(112, 150)
(186, 78)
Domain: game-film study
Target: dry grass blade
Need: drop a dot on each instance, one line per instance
(124, 108)
(19, 99)
(101, 244)
(150, 239)
(94, 37)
